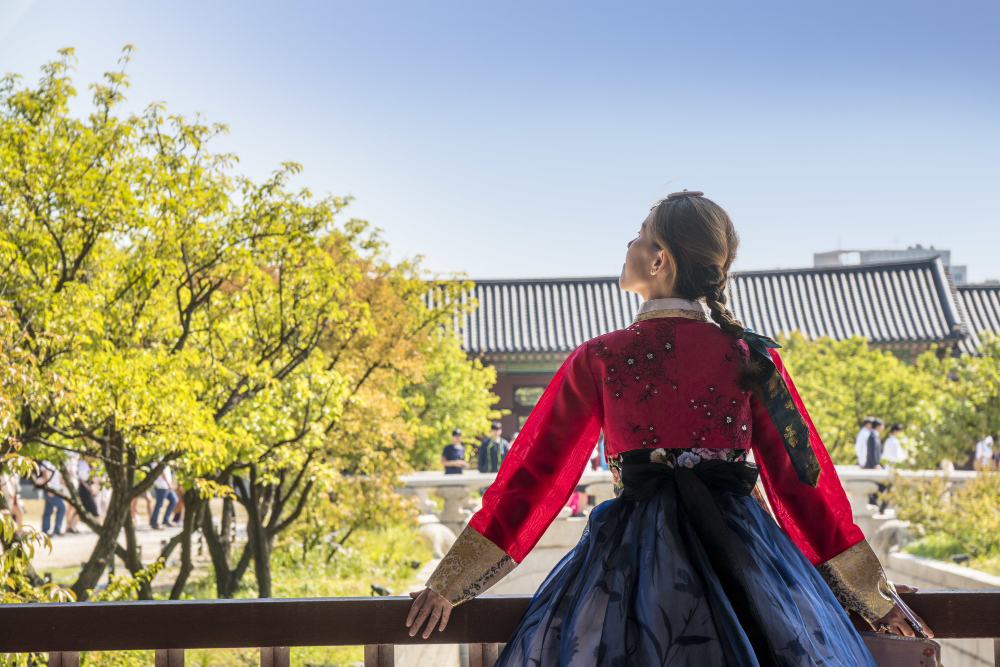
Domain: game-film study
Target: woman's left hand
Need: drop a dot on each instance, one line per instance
(895, 621)
(428, 606)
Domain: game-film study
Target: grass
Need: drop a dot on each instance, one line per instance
(383, 557)
(940, 546)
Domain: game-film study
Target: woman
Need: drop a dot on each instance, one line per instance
(685, 566)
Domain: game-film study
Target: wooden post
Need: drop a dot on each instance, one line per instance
(483, 655)
(64, 659)
(169, 657)
(996, 652)
(379, 655)
(275, 656)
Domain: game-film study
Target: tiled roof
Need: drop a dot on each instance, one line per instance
(894, 302)
(898, 302)
(981, 306)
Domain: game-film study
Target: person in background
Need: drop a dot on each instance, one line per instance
(493, 449)
(873, 456)
(893, 451)
(84, 488)
(984, 452)
(179, 509)
(873, 448)
(861, 442)
(10, 483)
(50, 480)
(163, 490)
(148, 498)
(453, 455)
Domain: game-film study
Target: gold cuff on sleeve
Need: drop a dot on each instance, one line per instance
(472, 565)
(856, 578)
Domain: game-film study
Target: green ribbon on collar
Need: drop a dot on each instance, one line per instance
(781, 407)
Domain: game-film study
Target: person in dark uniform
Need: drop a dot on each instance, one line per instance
(874, 455)
(493, 449)
(875, 445)
(453, 456)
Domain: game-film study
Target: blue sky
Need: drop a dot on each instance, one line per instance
(521, 139)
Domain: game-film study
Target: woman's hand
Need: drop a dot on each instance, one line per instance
(427, 606)
(895, 621)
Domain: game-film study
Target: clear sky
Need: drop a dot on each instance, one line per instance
(523, 139)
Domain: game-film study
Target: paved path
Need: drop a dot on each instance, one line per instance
(70, 550)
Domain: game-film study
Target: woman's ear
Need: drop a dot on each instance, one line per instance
(660, 262)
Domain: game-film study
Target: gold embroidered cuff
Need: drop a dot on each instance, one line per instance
(856, 578)
(472, 565)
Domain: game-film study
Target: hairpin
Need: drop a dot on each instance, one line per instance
(684, 194)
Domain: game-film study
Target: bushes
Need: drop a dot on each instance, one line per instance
(963, 519)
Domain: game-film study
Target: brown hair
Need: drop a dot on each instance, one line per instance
(700, 242)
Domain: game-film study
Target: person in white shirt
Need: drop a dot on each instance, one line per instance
(984, 452)
(10, 483)
(51, 481)
(861, 442)
(892, 448)
(163, 489)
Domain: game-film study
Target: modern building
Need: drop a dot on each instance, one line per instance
(959, 273)
(525, 328)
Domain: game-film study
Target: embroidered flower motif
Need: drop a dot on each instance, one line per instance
(640, 364)
(658, 455)
(688, 459)
(616, 477)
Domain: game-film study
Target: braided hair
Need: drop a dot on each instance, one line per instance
(701, 242)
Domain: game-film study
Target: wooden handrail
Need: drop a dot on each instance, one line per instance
(284, 622)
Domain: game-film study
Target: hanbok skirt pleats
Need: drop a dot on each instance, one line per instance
(639, 589)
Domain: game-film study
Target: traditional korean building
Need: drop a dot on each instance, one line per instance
(981, 309)
(527, 327)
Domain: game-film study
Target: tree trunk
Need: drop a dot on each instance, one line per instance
(259, 497)
(119, 507)
(192, 510)
(227, 578)
(132, 559)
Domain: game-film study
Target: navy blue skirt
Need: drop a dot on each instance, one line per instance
(639, 590)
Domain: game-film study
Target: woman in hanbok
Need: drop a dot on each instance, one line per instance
(686, 566)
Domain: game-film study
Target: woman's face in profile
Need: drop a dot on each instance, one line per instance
(640, 260)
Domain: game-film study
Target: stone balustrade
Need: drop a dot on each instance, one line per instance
(458, 506)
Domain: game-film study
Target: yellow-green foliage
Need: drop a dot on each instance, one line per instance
(843, 381)
(969, 513)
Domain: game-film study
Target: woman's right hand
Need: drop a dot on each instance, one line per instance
(895, 622)
(428, 606)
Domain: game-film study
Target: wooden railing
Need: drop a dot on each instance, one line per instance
(63, 630)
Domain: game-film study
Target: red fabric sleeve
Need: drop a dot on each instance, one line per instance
(819, 520)
(545, 462)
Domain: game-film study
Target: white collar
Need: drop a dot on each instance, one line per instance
(671, 303)
(671, 307)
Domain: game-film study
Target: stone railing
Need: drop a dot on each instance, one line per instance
(456, 492)
(458, 506)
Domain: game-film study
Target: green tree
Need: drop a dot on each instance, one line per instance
(967, 405)
(843, 381)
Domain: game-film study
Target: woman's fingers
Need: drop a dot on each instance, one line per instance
(415, 608)
(445, 616)
(419, 621)
(926, 628)
(432, 621)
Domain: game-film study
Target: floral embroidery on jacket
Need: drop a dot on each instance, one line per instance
(640, 363)
(728, 417)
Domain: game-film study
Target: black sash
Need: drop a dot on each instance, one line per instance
(696, 490)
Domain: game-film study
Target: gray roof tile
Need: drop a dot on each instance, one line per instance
(893, 302)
